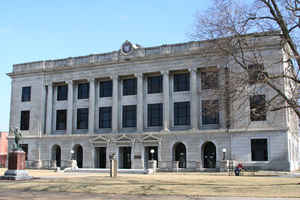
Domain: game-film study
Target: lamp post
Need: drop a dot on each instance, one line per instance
(224, 152)
(72, 154)
(152, 152)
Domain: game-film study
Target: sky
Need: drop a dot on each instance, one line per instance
(35, 30)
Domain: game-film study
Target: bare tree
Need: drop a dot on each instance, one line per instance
(238, 32)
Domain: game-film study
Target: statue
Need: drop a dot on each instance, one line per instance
(18, 138)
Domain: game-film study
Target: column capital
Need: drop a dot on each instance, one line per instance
(114, 77)
(165, 72)
(69, 82)
(192, 70)
(91, 79)
(138, 75)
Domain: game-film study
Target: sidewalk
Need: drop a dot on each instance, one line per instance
(21, 195)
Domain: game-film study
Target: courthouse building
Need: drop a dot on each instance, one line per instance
(148, 103)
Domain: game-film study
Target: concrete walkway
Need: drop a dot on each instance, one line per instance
(21, 195)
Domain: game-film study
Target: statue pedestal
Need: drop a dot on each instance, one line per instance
(16, 166)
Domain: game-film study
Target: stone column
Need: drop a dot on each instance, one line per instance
(70, 108)
(92, 106)
(194, 99)
(115, 106)
(166, 105)
(140, 94)
(49, 109)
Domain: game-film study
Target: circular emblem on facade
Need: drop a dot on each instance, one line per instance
(126, 48)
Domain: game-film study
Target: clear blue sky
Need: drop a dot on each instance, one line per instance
(40, 30)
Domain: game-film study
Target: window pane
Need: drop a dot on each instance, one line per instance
(26, 93)
(105, 88)
(259, 150)
(62, 92)
(129, 116)
(129, 86)
(155, 114)
(209, 80)
(210, 112)
(83, 91)
(154, 84)
(25, 119)
(258, 108)
(105, 117)
(61, 119)
(182, 113)
(181, 82)
(82, 118)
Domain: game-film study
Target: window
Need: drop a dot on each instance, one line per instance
(25, 119)
(83, 90)
(256, 73)
(181, 82)
(61, 119)
(258, 108)
(25, 149)
(82, 118)
(259, 150)
(26, 94)
(182, 113)
(105, 117)
(62, 92)
(129, 116)
(129, 87)
(210, 112)
(154, 84)
(106, 88)
(209, 80)
(155, 114)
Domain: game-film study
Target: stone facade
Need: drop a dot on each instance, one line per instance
(94, 145)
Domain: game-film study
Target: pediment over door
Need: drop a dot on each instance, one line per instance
(99, 140)
(123, 139)
(151, 139)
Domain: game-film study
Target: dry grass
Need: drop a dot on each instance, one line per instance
(162, 184)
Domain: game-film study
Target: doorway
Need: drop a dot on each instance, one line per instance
(151, 153)
(125, 157)
(79, 155)
(56, 155)
(209, 155)
(100, 157)
(179, 153)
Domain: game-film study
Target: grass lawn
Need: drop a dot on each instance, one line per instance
(200, 184)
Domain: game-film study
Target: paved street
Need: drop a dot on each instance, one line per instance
(21, 195)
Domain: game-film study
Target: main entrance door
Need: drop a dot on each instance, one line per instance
(125, 157)
(209, 155)
(151, 153)
(100, 157)
(179, 153)
(79, 155)
(56, 155)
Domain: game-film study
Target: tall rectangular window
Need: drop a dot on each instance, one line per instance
(155, 114)
(61, 119)
(259, 150)
(106, 88)
(209, 80)
(129, 116)
(181, 82)
(210, 112)
(25, 120)
(83, 90)
(26, 94)
(105, 117)
(256, 73)
(258, 108)
(62, 92)
(82, 118)
(154, 84)
(129, 86)
(182, 113)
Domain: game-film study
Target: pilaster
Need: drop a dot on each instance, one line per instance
(194, 99)
(166, 106)
(70, 107)
(115, 106)
(49, 109)
(92, 106)
(140, 94)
